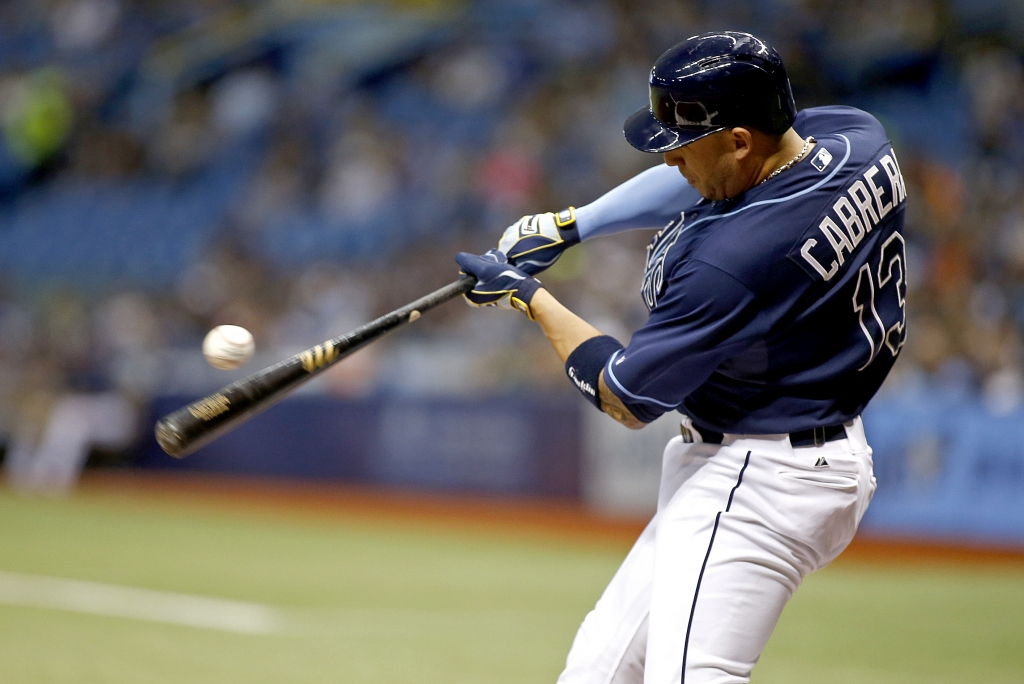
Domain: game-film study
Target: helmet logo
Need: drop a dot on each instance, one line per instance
(681, 113)
(693, 114)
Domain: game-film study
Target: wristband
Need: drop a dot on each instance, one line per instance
(586, 362)
(565, 221)
(520, 299)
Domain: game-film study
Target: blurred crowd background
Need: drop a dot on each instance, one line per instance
(298, 167)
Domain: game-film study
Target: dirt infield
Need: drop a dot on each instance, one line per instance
(535, 517)
(559, 520)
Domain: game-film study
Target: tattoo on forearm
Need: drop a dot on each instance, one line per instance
(611, 405)
(615, 412)
(620, 414)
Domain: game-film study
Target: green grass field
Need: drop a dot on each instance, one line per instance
(360, 601)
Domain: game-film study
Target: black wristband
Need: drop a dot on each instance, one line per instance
(565, 221)
(586, 362)
(524, 295)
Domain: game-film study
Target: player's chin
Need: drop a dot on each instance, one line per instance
(712, 191)
(707, 193)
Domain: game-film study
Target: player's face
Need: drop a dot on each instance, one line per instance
(713, 165)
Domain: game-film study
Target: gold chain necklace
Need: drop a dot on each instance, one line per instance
(794, 160)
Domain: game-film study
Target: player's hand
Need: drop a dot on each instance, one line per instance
(498, 282)
(536, 241)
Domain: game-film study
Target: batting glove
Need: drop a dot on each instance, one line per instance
(536, 241)
(498, 282)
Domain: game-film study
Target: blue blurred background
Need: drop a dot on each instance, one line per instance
(298, 168)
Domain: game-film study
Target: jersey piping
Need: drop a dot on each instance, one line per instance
(611, 374)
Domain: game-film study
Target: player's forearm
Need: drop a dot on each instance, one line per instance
(566, 331)
(614, 407)
(648, 200)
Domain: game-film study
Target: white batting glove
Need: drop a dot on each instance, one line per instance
(536, 241)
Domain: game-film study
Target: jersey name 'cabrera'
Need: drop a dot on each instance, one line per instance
(782, 309)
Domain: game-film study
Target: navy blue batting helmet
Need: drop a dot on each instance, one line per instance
(709, 83)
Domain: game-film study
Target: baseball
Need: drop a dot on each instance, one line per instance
(228, 346)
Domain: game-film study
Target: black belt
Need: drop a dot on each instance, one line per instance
(801, 438)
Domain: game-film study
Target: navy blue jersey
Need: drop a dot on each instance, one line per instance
(781, 309)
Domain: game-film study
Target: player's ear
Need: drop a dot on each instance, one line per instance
(741, 140)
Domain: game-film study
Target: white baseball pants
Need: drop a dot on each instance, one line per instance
(738, 527)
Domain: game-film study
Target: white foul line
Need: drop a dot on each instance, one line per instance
(37, 591)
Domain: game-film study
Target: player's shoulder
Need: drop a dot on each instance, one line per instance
(851, 136)
(839, 120)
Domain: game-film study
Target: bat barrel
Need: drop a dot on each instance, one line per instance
(190, 427)
(169, 436)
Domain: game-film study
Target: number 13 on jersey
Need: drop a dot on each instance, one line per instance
(879, 298)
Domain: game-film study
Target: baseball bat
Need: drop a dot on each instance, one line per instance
(182, 432)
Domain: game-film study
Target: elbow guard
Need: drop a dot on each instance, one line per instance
(586, 362)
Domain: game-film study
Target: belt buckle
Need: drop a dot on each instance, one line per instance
(819, 436)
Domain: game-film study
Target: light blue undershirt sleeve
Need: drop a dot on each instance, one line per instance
(648, 200)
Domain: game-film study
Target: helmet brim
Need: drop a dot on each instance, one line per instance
(644, 132)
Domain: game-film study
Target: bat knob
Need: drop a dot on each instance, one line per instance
(169, 439)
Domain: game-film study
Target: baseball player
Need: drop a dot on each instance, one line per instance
(776, 293)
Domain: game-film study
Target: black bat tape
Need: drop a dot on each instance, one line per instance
(183, 431)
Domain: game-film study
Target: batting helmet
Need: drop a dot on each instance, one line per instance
(709, 83)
